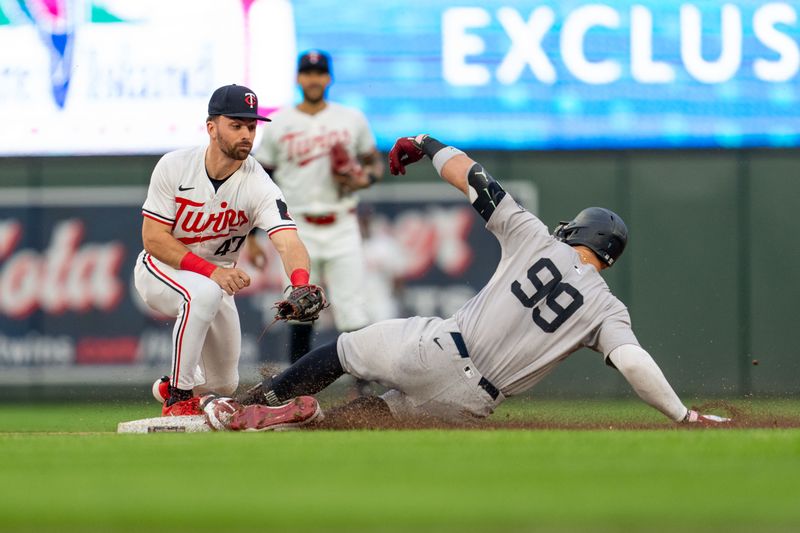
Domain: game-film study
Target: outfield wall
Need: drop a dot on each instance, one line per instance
(708, 275)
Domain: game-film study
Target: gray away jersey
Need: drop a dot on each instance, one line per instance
(541, 305)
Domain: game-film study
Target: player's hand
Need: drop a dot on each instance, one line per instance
(352, 182)
(406, 150)
(693, 417)
(231, 280)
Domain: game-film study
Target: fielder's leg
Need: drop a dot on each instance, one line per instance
(220, 355)
(194, 300)
(299, 341)
(345, 272)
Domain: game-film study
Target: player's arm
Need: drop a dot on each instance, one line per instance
(293, 254)
(159, 242)
(646, 378)
(372, 165)
(454, 166)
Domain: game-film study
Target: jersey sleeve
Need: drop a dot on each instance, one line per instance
(514, 226)
(272, 213)
(365, 139)
(613, 332)
(160, 202)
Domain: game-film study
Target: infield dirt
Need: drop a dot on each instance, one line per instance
(742, 417)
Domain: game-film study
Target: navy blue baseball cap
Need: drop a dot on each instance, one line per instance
(235, 101)
(314, 60)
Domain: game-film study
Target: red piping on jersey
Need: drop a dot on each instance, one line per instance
(279, 230)
(151, 217)
(179, 348)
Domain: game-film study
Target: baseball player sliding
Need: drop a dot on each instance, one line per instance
(200, 206)
(545, 300)
(319, 152)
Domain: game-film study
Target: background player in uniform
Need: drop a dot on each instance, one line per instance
(545, 300)
(319, 152)
(384, 265)
(200, 206)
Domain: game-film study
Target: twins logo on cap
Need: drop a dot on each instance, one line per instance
(235, 101)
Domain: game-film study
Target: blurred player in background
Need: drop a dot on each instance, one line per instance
(545, 300)
(320, 152)
(384, 262)
(200, 206)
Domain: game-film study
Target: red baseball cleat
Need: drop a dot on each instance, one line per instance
(161, 389)
(294, 414)
(182, 408)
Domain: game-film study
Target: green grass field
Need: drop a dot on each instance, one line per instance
(63, 469)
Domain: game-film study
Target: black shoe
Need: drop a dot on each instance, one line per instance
(256, 395)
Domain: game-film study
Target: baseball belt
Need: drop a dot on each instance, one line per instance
(484, 383)
(325, 219)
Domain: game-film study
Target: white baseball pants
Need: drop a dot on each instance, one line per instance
(337, 263)
(207, 338)
(420, 361)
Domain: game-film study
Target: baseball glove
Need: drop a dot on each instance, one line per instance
(348, 173)
(303, 304)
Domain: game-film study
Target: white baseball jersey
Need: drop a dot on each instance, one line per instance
(297, 145)
(541, 304)
(214, 224)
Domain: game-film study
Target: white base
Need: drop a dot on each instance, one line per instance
(166, 424)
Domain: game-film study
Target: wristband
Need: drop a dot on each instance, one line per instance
(429, 145)
(299, 276)
(193, 263)
(443, 156)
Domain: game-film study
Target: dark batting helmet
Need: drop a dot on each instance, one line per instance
(600, 229)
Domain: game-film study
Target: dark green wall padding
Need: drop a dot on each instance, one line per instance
(711, 275)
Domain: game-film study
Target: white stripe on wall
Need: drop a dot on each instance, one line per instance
(525, 192)
(72, 196)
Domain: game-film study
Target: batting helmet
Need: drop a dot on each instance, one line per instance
(600, 229)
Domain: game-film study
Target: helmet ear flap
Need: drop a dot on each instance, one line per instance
(560, 231)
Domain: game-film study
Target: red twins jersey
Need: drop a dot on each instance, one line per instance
(298, 145)
(214, 224)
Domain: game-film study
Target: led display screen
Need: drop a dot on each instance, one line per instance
(113, 76)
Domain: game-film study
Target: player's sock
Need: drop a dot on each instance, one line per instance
(299, 341)
(177, 395)
(309, 375)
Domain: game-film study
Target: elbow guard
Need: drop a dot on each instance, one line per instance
(484, 192)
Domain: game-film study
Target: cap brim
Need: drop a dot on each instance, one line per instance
(314, 68)
(248, 115)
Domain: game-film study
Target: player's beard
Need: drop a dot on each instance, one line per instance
(238, 152)
(314, 94)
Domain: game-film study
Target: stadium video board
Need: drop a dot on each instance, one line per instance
(111, 76)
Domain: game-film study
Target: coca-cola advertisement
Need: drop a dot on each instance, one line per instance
(69, 311)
